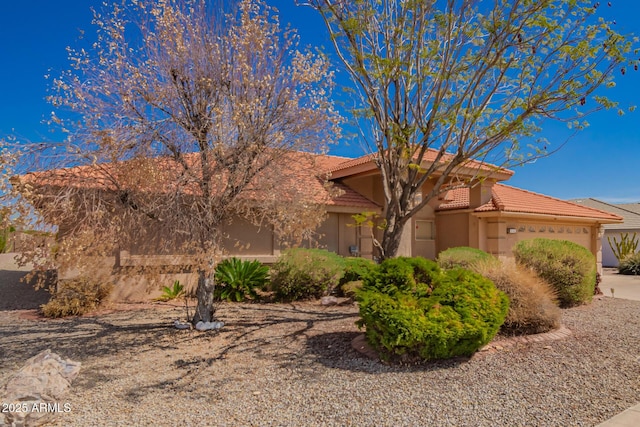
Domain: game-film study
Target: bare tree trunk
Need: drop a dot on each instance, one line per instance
(392, 236)
(205, 309)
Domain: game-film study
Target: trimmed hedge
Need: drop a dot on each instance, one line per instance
(413, 310)
(463, 256)
(300, 274)
(568, 267)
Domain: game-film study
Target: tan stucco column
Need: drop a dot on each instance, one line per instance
(497, 237)
(596, 245)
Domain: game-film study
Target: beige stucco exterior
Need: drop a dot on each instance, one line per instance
(498, 233)
(436, 227)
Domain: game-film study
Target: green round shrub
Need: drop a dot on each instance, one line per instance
(568, 267)
(355, 269)
(413, 310)
(300, 274)
(463, 256)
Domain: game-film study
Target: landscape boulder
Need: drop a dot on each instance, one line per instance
(35, 392)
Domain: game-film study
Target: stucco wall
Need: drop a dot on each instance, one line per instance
(338, 233)
(452, 230)
(245, 238)
(577, 233)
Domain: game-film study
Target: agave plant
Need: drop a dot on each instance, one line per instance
(238, 280)
(169, 293)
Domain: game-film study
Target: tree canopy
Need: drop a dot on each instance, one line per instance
(458, 80)
(183, 115)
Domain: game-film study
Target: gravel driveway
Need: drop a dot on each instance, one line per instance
(293, 365)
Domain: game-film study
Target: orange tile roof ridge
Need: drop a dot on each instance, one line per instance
(496, 200)
(555, 200)
(505, 198)
(353, 161)
(429, 155)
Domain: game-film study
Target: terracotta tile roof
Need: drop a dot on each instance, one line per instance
(429, 156)
(352, 198)
(510, 199)
(349, 163)
(305, 174)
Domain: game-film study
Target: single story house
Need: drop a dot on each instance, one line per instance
(630, 212)
(489, 215)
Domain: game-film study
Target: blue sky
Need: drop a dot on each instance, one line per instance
(602, 161)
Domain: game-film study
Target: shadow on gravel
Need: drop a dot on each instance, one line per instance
(18, 295)
(334, 350)
(84, 337)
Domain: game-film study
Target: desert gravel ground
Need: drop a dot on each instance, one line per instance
(293, 365)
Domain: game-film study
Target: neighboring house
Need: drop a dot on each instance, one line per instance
(630, 212)
(489, 215)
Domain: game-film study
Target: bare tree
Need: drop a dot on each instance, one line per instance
(442, 83)
(182, 116)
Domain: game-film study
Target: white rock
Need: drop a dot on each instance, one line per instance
(207, 326)
(329, 300)
(181, 325)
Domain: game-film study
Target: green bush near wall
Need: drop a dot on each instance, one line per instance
(463, 256)
(355, 269)
(413, 310)
(300, 274)
(568, 267)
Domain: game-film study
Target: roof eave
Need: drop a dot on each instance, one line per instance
(554, 217)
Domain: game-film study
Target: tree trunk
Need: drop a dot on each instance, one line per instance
(204, 293)
(392, 236)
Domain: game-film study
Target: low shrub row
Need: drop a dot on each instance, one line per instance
(298, 274)
(411, 308)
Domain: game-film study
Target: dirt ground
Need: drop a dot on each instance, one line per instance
(293, 364)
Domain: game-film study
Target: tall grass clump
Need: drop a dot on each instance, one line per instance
(533, 307)
(463, 256)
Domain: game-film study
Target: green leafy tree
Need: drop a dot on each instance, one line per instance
(470, 79)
